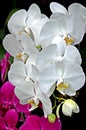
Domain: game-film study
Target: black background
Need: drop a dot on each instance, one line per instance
(77, 121)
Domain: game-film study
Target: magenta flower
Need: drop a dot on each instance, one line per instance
(46, 125)
(4, 66)
(8, 100)
(32, 123)
(9, 121)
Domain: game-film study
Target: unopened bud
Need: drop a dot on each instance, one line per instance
(51, 118)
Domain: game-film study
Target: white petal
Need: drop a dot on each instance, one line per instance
(66, 110)
(36, 26)
(17, 72)
(35, 73)
(47, 78)
(69, 106)
(56, 7)
(39, 21)
(17, 21)
(34, 10)
(50, 29)
(77, 8)
(28, 45)
(51, 90)
(28, 67)
(25, 91)
(61, 45)
(46, 56)
(12, 45)
(46, 103)
(69, 91)
(75, 28)
(73, 75)
(72, 54)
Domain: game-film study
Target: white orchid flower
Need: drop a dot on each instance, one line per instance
(69, 27)
(20, 72)
(29, 92)
(68, 77)
(58, 52)
(30, 22)
(20, 49)
(74, 8)
(69, 107)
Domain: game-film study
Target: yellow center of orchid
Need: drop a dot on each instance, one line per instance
(19, 56)
(62, 86)
(69, 40)
(31, 102)
(34, 101)
(22, 56)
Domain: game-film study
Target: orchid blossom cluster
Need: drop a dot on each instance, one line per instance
(46, 71)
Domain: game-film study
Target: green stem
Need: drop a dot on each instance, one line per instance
(58, 98)
(54, 105)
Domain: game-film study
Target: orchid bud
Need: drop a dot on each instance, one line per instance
(69, 106)
(51, 118)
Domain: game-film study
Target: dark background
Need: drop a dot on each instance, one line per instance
(77, 121)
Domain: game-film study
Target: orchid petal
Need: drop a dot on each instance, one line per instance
(34, 120)
(8, 91)
(17, 72)
(56, 27)
(25, 92)
(32, 123)
(72, 54)
(59, 41)
(75, 30)
(17, 21)
(46, 57)
(45, 124)
(77, 8)
(12, 45)
(5, 65)
(22, 108)
(46, 102)
(52, 28)
(35, 73)
(2, 124)
(26, 126)
(11, 118)
(47, 78)
(28, 45)
(33, 10)
(71, 73)
(56, 7)
(69, 107)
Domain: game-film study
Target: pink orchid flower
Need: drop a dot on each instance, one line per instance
(46, 125)
(9, 121)
(8, 100)
(4, 66)
(34, 122)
